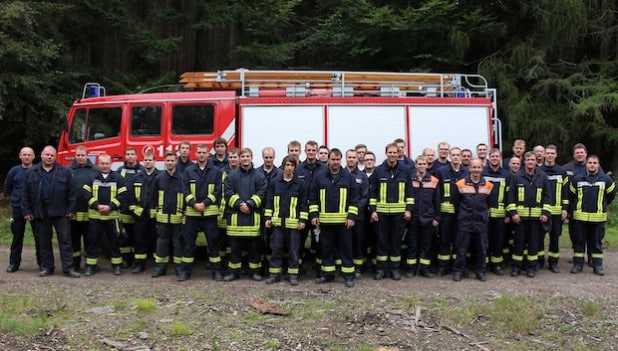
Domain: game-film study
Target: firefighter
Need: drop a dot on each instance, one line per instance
(371, 236)
(13, 187)
(245, 192)
(390, 205)
(169, 199)
(424, 222)
(82, 170)
(144, 210)
(558, 180)
(306, 170)
(361, 150)
(270, 172)
(202, 191)
(528, 205)
(430, 155)
(323, 154)
(231, 163)
(286, 212)
(448, 176)
(128, 171)
(184, 161)
(106, 194)
(500, 178)
(590, 194)
(220, 159)
(358, 232)
(472, 200)
(443, 153)
(333, 206)
(294, 149)
(48, 200)
(466, 158)
(401, 153)
(519, 148)
(481, 153)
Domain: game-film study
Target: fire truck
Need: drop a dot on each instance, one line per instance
(256, 109)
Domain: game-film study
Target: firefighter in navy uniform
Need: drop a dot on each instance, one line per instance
(358, 232)
(82, 171)
(286, 212)
(500, 178)
(390, 205)
(333, 206)
(105, 194)
(528, 205)
(144, 210)
(245, 193)
(472, 201)
(128, 171)
(202, 190)
(306, 171)
(448, 175)
(425, 220)
(169, 197)
(558, 180)
(590, 194)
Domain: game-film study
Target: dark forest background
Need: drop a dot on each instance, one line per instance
(554, 63)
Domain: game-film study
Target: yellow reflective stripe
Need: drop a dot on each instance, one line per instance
(447, 189)
(610, 188)
(521, 194)
(137, 187)
(193, 190)
(257, 200)
(211, 190)
(447, 207)
(81, 216)
(497, 212)
(501, 191)
(268, 212)
(276, 205)
(293, 204)
(343, 196)
(390, 208)
(539, 193)
(304, 215)
(600, 197)
(313, 208)
(233, 200)
(527, 212)
(94, 214)
(160, 203)
(333, 218)
(353, 210)
(169, 218)
(402, 192)
(590, 217)
(322, 197)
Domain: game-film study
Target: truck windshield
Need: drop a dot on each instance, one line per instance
(95, 124)
(193, 119)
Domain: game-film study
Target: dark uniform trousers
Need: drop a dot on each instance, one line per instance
(18, 228)
(448, 233)
(145, 238)
(43, 230)
(333, 237)
(554, 236)
(79, 230)
(390, 232)
(588, 234)
(526, 238)
(209, 226)
(359, 249)
(107, 230)
(168, 236)
(462, 243)
(419, 240)
(280, 240)
(496, 236)
(252, 245)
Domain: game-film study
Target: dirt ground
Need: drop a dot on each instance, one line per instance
(101, 312)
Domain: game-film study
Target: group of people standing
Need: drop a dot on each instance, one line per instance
(429, 216)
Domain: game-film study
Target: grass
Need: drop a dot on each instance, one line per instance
(145, 305)
(20, 316)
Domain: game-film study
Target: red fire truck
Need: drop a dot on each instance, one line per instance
(256, 109)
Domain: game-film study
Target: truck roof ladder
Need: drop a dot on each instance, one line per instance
(338, 83)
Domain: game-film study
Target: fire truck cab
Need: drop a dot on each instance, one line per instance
(257, 109)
